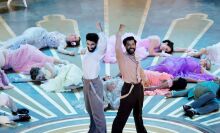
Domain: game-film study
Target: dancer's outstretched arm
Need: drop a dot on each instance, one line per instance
(118, 48)
(161, 86)
(61, 49)
(153, 53)
(102, 43)
(99, 26)
(183, 93)
(198, 54)
(180, 50)
(58, 61)
(25, 80)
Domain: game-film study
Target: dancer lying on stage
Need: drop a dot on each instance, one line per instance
(59, 78)
(18, 114)
(55, 78)
(205, 95)
(185, 67)
(24, 58)
(211, 53)
(41, 38)
(150, 46)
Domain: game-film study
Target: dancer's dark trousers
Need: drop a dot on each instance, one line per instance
(134, 101)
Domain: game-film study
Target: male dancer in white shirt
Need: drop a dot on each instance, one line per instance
(93, 86)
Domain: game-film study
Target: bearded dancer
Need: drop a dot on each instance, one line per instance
(132, 94)
(93, 86)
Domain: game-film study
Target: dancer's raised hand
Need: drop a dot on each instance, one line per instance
(99, 26)
(121, 28)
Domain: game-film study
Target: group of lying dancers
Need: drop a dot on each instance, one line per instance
(124, 92)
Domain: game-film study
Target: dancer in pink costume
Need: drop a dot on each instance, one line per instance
(22, 60)
(26, 57)
(156, 79)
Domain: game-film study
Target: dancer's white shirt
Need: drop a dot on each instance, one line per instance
(91, 61)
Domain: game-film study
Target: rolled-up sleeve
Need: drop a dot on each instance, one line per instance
(183, 93)
(102, 43)
(118, 49)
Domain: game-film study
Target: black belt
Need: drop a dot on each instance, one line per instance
(133, 83)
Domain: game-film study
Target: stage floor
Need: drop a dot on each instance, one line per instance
(190, 24)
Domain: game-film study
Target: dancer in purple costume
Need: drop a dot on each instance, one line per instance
(186, 67)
